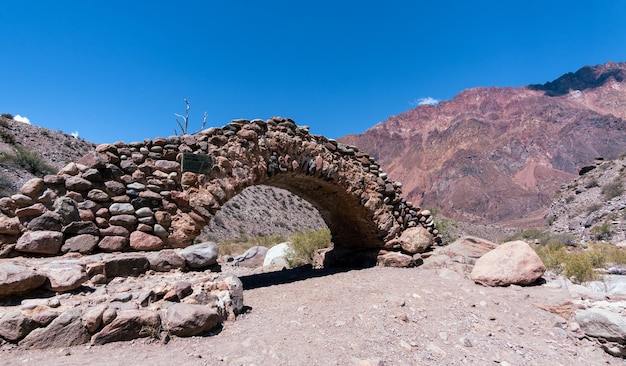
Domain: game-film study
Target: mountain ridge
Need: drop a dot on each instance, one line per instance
(498, 154)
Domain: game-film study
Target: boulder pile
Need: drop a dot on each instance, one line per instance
(107, 297)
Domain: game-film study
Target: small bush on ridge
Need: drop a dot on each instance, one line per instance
(613, 189)
(29, 160)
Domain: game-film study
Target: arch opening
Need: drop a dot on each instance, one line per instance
(347, 219)
(262, 211)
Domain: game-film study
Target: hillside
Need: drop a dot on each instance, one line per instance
(593, 206)
(498, 155)
(27, 151)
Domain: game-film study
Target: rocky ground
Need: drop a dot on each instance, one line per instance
(430, 315)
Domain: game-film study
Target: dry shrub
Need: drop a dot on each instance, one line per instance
(613, 189)
(305, 244)
(243, 243)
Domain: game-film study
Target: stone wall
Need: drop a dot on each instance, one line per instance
(140, 196)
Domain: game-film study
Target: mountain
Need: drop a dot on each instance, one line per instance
(499, 154)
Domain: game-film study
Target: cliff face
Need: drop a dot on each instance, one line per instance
(498, 155)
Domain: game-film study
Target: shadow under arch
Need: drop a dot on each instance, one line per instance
(351, 225)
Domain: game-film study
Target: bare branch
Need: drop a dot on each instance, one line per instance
(184, 125)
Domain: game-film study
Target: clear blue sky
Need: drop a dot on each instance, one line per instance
(118, 70)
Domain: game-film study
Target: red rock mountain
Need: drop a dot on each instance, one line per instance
(498, 155)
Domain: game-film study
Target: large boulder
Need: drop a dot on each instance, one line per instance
(602, 323)
(143, 241)
(251, 258)
(64, 275)
(277, 255)
(15, 325)
(470, 247)
(200, 256)
(125, 264)
(84, 244)
(17, 277)
(395, 259)
(459, 256)
(165, 260)
(414, 240)
(512, 263)
(607, 326)
(186, 320)
(129, 324)
(40, 242)
(64, 331)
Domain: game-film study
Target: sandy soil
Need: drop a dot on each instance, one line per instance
(375, 316)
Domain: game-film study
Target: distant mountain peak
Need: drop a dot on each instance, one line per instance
(587, 77)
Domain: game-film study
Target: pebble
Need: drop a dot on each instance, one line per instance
(404, 344)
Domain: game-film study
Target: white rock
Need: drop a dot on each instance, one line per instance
(277, 255)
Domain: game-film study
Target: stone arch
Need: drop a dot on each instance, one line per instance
(160, 193)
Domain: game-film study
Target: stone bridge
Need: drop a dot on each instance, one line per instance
(160, 193)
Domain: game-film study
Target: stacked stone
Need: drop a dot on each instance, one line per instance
(140, 307)
(405, 214)
(135, 196)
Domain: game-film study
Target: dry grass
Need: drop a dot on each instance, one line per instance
(579, 264)
(305, 244)
(243, 243)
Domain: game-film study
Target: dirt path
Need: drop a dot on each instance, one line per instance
(376, 316)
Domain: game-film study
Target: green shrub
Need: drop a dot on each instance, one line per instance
(608, 253)
(529, 235)
(447, 229)
(593, 182)
(551, 254)
(244, 242)
(594, 207)
(601, 232)
(7, 136)
(577, 266)
(564, 239)
(5, 186)
(613, 189)
(29, 160)
(305, 244)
